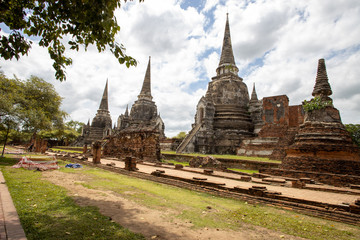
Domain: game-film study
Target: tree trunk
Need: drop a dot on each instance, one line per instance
(6, 137)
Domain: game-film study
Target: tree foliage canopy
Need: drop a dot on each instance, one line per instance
(181, 135)
(85, 22)
(354, 130)
(33, 104)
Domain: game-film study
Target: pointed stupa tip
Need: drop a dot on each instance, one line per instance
(104, 100)
(146, 88)
(253, 94)
(322, 85)
(88, 123)
(127, 110)
(227, 54)
(227, 60)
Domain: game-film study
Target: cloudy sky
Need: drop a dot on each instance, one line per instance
(276, 43)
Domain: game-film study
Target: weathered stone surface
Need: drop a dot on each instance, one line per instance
(322, 87)
(322, 143)
(143, 112)
(245, 178)
(142, 145)
(179, 166)
(256, 111)
(298, 184)
(205, 162)
(323, 147)
(96, 149)
(222, 118)
(169, 144)
(101, 125)
(279, 126)
(130, 164)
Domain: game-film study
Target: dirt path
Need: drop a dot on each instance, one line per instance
(153, 224)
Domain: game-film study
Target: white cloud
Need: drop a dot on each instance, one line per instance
(276, 45)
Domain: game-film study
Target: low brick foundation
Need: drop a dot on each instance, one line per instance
(327, 178)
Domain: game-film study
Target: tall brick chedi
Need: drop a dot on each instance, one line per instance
(101, 125)
(143, 113)
(222, 119)
(322, 143)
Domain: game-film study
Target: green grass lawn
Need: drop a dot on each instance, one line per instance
(244, 170)
(67, 150)
(46, 212)
(259, 159)
(223, 213)
(185, 164)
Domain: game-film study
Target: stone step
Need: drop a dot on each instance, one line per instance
(258, 141)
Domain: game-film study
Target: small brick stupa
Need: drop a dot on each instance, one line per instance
(322, 143)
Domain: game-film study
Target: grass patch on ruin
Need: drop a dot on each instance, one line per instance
(205, 210)
(47, 212)
(258, 159)
(185, 164)
(66, 150)
(244, 170)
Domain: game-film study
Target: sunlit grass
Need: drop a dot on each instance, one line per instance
(176, 162)
(244, 170)
(258, 159)
(46, 212)
(205, 210)
(67, 150)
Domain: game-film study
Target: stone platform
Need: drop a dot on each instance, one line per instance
(10, 226)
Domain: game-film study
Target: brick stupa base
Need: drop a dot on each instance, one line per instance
(323, 147)
(322, 151)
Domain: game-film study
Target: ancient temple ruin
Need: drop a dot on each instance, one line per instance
(143, 114)
(101, 125)
(138, 134)
(276, 123)
(322, 143)
(222, 118)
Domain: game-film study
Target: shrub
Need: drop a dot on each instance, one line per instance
(315, 104)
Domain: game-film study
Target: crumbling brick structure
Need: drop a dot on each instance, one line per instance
(322, 143)
(144, 111)
(280, 123)
(141, 144)
(101, 125)
(96, 150)
(130, 164)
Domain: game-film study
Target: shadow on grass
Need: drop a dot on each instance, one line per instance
(80, 223)
(9, 161)
(131, 218)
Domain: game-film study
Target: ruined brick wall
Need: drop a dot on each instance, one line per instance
(280, 121)
(276, 110)
(296, 115)
(169, 144)
(143, 145)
